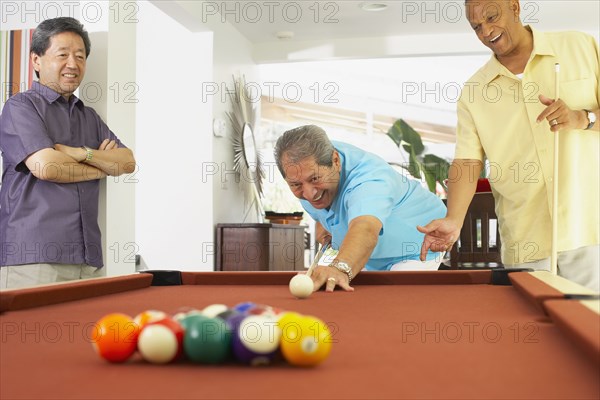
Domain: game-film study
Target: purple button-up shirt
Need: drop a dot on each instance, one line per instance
(42, 221)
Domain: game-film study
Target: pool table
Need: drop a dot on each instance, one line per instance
(437, 334)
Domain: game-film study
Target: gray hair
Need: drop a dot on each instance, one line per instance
(304, 142)
(40, 41)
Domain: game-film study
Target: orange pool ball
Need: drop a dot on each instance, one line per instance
(115, 337)
(305, 341)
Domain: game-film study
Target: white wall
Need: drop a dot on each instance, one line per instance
(174, 224)
(232, 57)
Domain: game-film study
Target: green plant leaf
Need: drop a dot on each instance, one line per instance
(430, 179)
(412, 137)
(395, 133)
(429, 167)
(414, 166)
(436, 167)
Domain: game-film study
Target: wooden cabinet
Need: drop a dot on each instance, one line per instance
(260, 247)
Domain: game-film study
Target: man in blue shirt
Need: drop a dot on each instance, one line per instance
(368, 210)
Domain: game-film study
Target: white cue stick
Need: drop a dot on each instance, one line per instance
(317, 258)
(554, 254)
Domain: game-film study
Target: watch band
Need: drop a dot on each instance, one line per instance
(89, 153)
(591, 118)
(343, 267)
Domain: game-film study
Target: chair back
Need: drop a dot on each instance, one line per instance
(479, 242)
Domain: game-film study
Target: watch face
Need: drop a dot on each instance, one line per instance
(343, 266)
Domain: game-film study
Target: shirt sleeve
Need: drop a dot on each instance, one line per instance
(22, 131)
(468, 144)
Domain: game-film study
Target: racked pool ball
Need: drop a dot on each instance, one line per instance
(256, 339)
(115, 337)
(244, 306)
(206, 340)
(301, 286)
(147, 316)
(305, 341)
(263, 309)
(161, 342)
(213, 310)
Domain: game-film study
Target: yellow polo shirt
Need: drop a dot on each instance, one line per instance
(497, 114)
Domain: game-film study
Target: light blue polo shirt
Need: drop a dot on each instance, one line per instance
(370, 186)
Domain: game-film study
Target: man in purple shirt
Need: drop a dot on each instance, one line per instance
(55, 150)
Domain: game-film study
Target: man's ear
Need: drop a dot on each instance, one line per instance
(335, 159)
(515, 7)
(35, 61)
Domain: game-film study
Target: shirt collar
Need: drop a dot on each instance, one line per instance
(541, 47)
(50, 95)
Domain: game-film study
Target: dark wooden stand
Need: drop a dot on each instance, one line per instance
(260, 247)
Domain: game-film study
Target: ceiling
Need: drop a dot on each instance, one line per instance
(260, 21)
(311, 20)
(404, 30)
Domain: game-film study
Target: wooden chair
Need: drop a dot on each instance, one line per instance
(479, 242)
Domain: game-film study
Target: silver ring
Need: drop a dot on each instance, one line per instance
(554, 122)
(331, 280)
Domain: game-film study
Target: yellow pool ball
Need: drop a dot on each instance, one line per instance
(305, 341)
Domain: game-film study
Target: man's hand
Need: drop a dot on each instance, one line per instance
(330, 277)
(560, 116)
(440, 235)
(107, 145)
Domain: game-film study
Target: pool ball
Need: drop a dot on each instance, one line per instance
(305, 341)
(206, 340)
(256, 339)
(263, 309)
(186, 321)
(244, 307)
(148, 316)
(182, 312)
(287, 317)
(115, 337)
(227, 313)
(213, 310)
(301, 286)
(161, 342)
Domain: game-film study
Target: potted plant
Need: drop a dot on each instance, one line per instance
(431, 168)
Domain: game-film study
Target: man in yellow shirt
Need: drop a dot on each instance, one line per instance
(507, 114)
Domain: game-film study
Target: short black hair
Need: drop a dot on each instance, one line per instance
(40, 40)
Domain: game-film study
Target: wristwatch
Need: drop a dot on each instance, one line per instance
(343, 267)
(591, 118)
(88, 153)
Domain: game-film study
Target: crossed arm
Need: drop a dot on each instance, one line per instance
(66, 164)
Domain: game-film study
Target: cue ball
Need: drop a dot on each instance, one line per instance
(301, 286)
